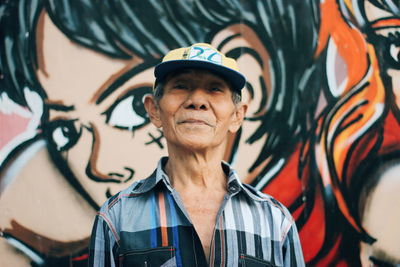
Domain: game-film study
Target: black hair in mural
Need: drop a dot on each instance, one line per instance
(389, 5)
(291, 41)
(18, 48)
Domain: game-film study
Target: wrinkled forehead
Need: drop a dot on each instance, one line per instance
(195, 73)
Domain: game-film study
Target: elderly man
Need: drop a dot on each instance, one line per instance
(193, 210)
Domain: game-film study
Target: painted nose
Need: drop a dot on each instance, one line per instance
(197, 99)
(104, 164)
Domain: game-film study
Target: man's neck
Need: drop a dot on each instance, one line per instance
(196, 171)
(201, 183)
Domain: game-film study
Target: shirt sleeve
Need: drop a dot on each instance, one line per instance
(293, 254)
(103, 245)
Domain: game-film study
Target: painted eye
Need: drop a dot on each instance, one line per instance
(62, 134)
(124, 115)
(395, 52)
(128, 112)
(60, 137)
(392, 51)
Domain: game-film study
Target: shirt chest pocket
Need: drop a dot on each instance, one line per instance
(250, 261)
(161, 256)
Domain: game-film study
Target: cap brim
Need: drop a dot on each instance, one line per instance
(234, 77)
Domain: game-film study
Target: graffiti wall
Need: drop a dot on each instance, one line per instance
(321, 134)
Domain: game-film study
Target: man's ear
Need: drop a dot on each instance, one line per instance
(153, 110)
(238, 117)
(241, 42)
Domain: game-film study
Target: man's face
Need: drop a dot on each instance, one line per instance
(381, 219)
(97, 121)
(196, 110)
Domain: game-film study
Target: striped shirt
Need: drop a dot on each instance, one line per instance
(147, 225)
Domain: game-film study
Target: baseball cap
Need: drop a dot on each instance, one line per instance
(204, 56)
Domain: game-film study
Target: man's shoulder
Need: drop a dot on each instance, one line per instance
(268, 200)
(133, 191)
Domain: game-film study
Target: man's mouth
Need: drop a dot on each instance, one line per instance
(195, 122)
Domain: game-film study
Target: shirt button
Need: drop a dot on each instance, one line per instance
(233, 188)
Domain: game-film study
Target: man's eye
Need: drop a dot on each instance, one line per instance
(61, 134)
(128, 112)
(216, 89)
(181, 86)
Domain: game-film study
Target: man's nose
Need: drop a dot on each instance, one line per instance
(104, 165)
(197, 99)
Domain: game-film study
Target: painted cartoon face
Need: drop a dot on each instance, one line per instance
(385, 34)
(196, 110)
(97, 121)
(381, 219)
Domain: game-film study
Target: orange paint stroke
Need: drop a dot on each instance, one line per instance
(163, 220)
(385, 23)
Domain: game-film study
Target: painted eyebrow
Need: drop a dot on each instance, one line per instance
(380, 256)
(60, 107)
(124, 78)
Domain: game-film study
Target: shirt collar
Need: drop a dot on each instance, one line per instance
(234, 185)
